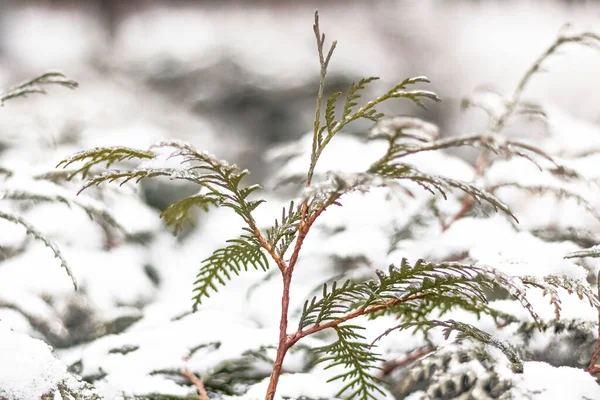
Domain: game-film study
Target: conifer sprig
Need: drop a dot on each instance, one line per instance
(37, 85)
(221, 180)
(91, 208)
(281, 235)
(592, 252)
(32, 86)
(354, 354)
(36, 234)
(411, 292)
(468, 332)
(368, 111)
(102, 155)
(241, 253)
(558, 192)
(548, 284)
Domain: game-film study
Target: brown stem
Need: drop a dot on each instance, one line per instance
(467, 205)
(197, 382)
(284, 343)
(267, 246)
(354, 314)
(593, 368)
(390, 366)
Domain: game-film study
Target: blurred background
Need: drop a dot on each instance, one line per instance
(236, 76)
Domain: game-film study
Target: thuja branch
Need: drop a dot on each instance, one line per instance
(497, 123)
(322, 135)
(37, 85)
(324, 61)
(586, 38)
(301, 333)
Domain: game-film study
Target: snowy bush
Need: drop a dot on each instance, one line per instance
(398, 271)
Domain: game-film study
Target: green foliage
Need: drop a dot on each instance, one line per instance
(415, 294)
(469, 332)
(37, 85)
(548, 284)
(355, 355)
(281, 234)
(102, 155)
(220, 179)
(242, 253)
(593, 252)
(36, 234)
(177, 214)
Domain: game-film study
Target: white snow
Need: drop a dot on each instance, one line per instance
(28, 370)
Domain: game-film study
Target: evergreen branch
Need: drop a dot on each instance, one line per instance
(409, 290)
(92, 208)
(242, 253)
(367, 111)
(593, 252)
(330, 113)
(548, 284)
(466, 331)
(351, 352)
(177, 214)
(221, 179)
(324, 62)
(412, 293)
(333, 303)
(491, 141)
(515, 287)
(353, 95)
(101, 155)
(36, 85)
(408, 129)
(581, 237)
(559, 193)
(281, 235)
(438, 183)
(587, 39)
(138, 174)
(33, 232)
(218, 173)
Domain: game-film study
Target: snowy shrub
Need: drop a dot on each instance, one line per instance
(398, 270)
(366, 322)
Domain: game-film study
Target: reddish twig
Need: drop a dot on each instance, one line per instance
(593, 368)
(467, 205)
(197, 382)
(390, 366)
(283, 346)
(292, 339)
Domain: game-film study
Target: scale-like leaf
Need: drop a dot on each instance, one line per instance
(241, 253)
